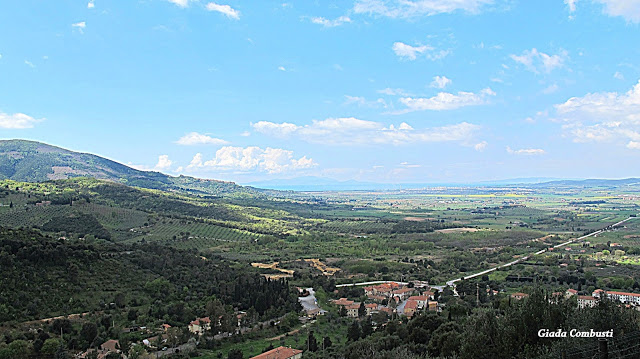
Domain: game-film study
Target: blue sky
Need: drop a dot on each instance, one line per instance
(372, 90)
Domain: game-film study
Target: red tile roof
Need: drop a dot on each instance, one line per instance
(422, 298)
(278, 353)
(343, 301)
(411, 304)
(623, 293)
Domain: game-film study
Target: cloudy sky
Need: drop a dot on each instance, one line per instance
(372, 90)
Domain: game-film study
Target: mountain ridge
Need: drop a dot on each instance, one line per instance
(33, 161)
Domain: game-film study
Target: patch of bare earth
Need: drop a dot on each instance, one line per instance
(457, 230)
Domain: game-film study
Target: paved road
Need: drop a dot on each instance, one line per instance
(310, 302)
(452, 282)
(368, 283)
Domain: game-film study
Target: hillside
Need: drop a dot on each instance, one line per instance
(30, 161)
(61, 277)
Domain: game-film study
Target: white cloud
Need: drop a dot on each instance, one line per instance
(29, 63)
(224, 9)
(195, 138)
(331, 23)
(250, 159)
(440, 82)
(407, 51)
(164, 163)
(628, 9)
(363, 102)
(536, 61)
(245, 134)
(17, 121)
(353, 131)
(602, 117)
(618, 75)
(91, 4)
(571, 4)
(414, 8)
(526, 151)
(393, 92)
(181, 3)
(634, 145)
(481, 146)
(80, 26)
(281, 68)
(446, 101)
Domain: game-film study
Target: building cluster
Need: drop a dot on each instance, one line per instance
(386, 297)
(631, 300)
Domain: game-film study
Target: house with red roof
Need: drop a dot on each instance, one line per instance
(200, 325)
(280, 353)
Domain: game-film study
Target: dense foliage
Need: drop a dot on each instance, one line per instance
(42, 277)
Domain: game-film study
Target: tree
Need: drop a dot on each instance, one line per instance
(326, 343)
(353, 333)
(50, 346)
(362, 310)
(235, 354)
(343, 311)
(88, 332)
(312, 344)
(19, 349)
(367, 327)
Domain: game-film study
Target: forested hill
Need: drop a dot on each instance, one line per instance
(30, 161)
(42, 277)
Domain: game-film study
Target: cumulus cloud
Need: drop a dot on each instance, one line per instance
(331, 23)
(634, 145)
(618, 75)
(91, 4)
(252, 159)
(409, 52)
(526, 151)
(602, 116)
(164, 163)
(17, 121)
(195, 138)
(227, 10)
(446, 101)
(480, 146)
(440, 82)
(628, 9)
(353, 131)
(415, 8)
(536, 61)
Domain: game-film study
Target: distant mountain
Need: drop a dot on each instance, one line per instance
(525, 180)
(31, 161)
(592, 183)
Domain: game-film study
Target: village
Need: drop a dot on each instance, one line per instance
(388, 300)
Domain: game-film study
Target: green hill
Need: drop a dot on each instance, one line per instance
(30, 161)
